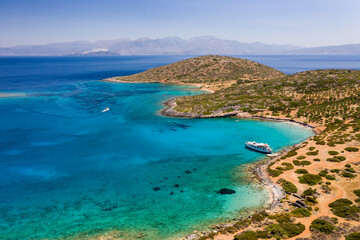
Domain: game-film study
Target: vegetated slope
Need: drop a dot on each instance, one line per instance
(316, 95)
(205, 69)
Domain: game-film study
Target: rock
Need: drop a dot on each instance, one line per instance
(226, 191)
(187, 172)
(156, 188)
(176, 185)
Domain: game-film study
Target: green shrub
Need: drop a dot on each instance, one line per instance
(310, 179)
(350, 170)
(340, 203)
(247, 235)
(274, 173)
(283, 230)
(301, 212)
(291, 153)
(352, 149)
(288, 166)
(305, 163)
(263, 234)
(330, 177)
(322, 226)
(311, 148)
(343, 208)
(348, 175)
(301, 163)
(297, 163)
(314, 153)
(346, 211)
(336, 159)
(317, 159)
(300, 157)
(309, 192)
(353, 236)
(335, 170)
(333, 153)
(357, 192)
(259, 217)
(301, 171)
(288, 186)
(281, 218)
(244, 223)
(323, 173)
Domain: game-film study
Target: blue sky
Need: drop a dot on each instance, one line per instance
(299, 22)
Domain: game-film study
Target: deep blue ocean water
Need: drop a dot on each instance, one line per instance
(67, 169)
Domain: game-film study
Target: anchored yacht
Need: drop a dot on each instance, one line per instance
(259, 147)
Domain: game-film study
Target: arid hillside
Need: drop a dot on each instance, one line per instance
(208, 70)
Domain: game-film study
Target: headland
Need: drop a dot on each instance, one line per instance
(319, 178)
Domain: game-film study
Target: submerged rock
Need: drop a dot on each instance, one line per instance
(226, 191)
(187, 172)
(176, 185)
(156, 188)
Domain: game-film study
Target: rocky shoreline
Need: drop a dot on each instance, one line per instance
(170, 111)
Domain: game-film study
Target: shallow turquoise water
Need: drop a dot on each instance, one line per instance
(68, 168)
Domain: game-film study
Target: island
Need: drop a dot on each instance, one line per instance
(319, 179)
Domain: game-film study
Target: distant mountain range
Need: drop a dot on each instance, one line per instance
(172, 46)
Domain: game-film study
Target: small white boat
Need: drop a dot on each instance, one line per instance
(106, 109)
(259, 147)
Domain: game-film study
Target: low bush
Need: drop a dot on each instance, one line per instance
(247, 235)
(259, 217)
(300, 157)
(350, 170)
(305, 163)
(281, 218)
(244, 223)
(310, 179)
(336, 159)
(273, 172)
(311, 148)
(301, 163)
(340, 203)
(322, 226)
(287, 166)
(348, 175)
(317, 159)
(309, 192)
(301, 171)
(333, 153)
(301, 212)
(288, 186)
(343, 208)
(285, 230)
(263, 234)
(353, 236)
(314, 153)
(323, 173)
(330, 177)
(357, 192)
(352, 149)
(297, 163)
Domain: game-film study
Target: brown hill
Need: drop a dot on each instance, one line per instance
(208, 70)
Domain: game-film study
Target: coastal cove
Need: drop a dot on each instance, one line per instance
(72, 171)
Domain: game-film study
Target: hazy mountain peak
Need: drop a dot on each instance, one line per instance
(201, 45)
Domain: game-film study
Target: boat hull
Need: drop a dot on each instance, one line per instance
(257, 150)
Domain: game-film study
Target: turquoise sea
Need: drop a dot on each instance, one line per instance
(67, 169)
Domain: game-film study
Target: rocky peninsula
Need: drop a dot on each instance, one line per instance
(319, 178)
